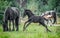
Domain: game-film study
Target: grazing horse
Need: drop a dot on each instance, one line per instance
(12, 15)
(34, 19)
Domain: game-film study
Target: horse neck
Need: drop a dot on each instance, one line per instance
(30, 15)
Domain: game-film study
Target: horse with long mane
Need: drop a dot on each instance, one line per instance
(49, 15)
(11, 15)
(34, 19)
(53, 15)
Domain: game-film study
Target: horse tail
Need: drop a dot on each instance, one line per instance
(55, 20)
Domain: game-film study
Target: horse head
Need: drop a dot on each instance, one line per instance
(28, 13)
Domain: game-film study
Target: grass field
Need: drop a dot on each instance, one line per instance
(33, 31)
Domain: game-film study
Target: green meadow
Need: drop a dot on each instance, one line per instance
(34, 30)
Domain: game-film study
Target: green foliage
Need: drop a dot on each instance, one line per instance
(52, 4)
(3, 4)
(36, 6)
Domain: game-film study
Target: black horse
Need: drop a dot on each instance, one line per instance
(34, 19)
(12, 15)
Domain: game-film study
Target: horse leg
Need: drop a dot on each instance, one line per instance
(50, 22)
(47, 21)
(45, 26)
(13, 25)
(24, 25)
(27, 25)
(6, 25)
(9, 25)
(16, 22)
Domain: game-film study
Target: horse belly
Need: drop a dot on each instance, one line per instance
(35, 20)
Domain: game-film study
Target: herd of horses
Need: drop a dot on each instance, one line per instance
(12, 15)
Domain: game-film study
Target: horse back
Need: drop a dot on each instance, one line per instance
(36, 19)
(12, 13)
